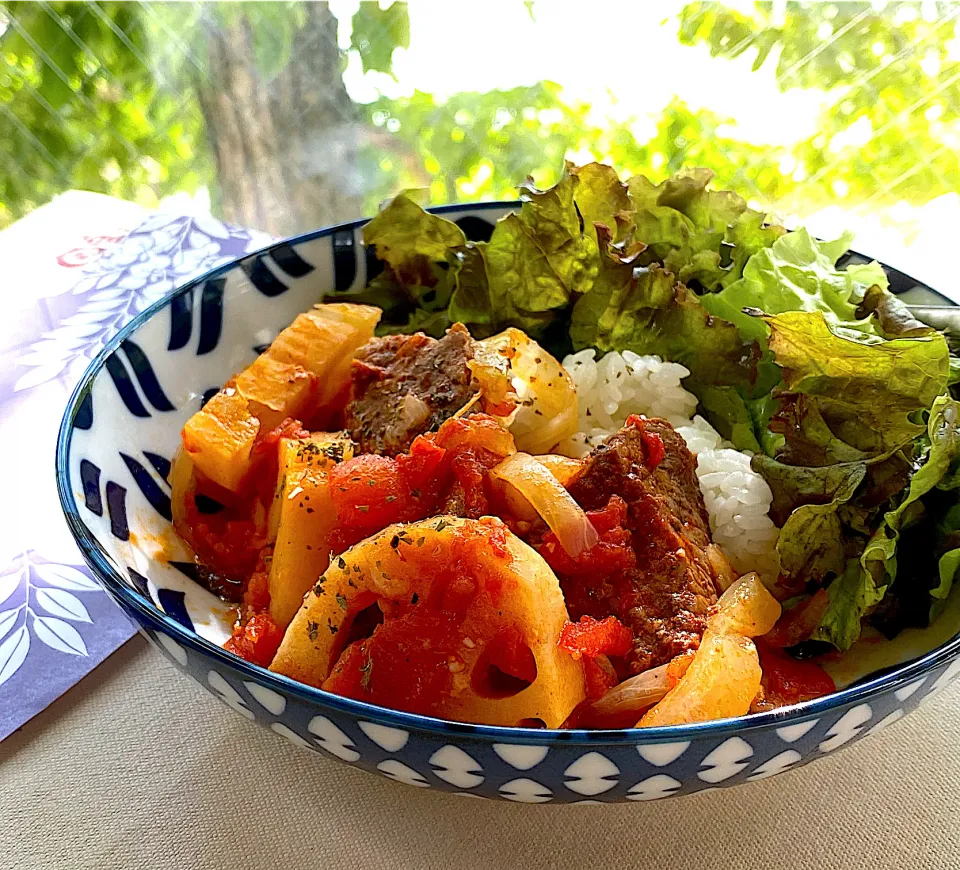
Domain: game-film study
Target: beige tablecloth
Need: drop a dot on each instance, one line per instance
(139, 767)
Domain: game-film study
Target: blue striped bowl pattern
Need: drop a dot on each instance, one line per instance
(119, 432)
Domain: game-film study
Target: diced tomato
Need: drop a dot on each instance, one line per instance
(611, 554)
(593, 637)
(786, 680)
(478, 431)
(226, 545)
(425, 471)
(797, 623)
(468, 473)
(653, 448)
(372, 491)
(257, 640)
(256, 595)
(368, 492)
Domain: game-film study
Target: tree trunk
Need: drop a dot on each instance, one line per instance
(285, 149)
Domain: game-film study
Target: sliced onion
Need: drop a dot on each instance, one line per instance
(747, 608)
(722, 569)
(555, 505)
(491, 373)
(633, 696)
(563, 468)
(412, 411)
(541, 395)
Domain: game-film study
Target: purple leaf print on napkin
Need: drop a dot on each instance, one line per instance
(56, 624)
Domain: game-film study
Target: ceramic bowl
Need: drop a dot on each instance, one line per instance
(119, 432)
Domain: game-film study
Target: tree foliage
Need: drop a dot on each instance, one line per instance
(891, 129)
(81, 106)
(104, 97)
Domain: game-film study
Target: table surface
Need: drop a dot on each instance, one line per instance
(137, 766)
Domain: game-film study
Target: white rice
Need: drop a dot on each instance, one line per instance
(737, 498)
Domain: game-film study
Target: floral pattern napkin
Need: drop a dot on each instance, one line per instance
(56, 624)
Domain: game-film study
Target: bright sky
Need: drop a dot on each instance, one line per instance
(624, 58)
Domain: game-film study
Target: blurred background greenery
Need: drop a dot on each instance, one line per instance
(287, 116)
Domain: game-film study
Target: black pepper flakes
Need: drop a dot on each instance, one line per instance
(312, 628)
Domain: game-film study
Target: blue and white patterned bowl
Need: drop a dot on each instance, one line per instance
(120, 429)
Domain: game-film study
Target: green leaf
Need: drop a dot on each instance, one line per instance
(748, 235)
(728, 413)
(550, 215)
(434, 323)
(684, 224)
(943, 431)
(866, 393)
(600, 196)
(377, 32)
(470, 303)
(947, 571)
(410, 239)
(852, 594)
(811, 543)
(648, 312)
(864, 586)
(553, 224)
(527, 284)
(797, 273)
(805, 437)
(794, 486)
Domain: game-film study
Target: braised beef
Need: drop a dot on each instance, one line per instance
(665, 598)
(405, 385)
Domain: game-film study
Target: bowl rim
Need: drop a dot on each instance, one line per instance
(113, 583)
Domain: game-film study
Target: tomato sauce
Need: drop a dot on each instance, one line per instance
(594, 637)
(256, 640)
(798, 623)
(227, 542)
(408, 663)
(612, 554)
(787, 680)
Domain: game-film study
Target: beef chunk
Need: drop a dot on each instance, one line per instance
(664, 599)
(405, 385)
